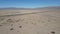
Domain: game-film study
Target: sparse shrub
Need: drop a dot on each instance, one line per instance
(4, 23)
(0, 25)
(1, 19)
(48, 20)
(18, 20)
(10, 21)
(11, 24)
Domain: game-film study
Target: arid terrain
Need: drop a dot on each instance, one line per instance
(38, 21)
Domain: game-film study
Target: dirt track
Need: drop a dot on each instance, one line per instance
(7, 15)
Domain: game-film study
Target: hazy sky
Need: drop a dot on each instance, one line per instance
(28, 3)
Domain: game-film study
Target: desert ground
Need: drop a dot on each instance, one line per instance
(41, 21)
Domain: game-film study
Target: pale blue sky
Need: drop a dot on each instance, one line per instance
(28, 3)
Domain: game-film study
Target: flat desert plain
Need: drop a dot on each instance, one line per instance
(36, 21)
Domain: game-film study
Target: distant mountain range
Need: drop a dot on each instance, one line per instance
(13, 8)
(50, 7)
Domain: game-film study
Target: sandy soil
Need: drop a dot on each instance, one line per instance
(46, 22)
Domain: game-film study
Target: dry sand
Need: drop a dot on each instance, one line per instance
(45, 22)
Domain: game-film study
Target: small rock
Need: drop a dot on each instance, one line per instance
(53, 32)
(20, 26)
(11, 29)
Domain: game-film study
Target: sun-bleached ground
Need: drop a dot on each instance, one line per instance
(46, 22)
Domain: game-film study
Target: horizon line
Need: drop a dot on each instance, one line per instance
(30, 7)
